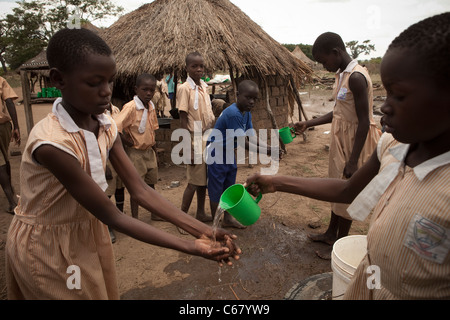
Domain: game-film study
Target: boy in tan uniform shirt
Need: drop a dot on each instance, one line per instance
(7, 115)
(195, 108)
(138, 121)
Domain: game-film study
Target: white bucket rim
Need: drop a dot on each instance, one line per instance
(346, 265)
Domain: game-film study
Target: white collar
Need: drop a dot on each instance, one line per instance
(194, 85)
(67, 122)
(93, 151)
(140, 105)
(349, 67)
(422, 170)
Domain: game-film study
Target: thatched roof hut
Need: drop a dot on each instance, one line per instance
(156, 38)
(38, 62)
(298, 53)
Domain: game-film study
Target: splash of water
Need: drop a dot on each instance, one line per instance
(217, 219)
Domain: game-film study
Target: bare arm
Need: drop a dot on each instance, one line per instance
(330, 190)
(68, 171)
(13, 114)
(358, 86)
(301, 126)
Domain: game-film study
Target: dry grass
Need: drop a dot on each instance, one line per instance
(156, 38)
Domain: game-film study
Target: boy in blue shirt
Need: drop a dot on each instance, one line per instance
(234, 122)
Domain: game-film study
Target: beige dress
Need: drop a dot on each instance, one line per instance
(51, 234)
(343, 131)
(409, 236)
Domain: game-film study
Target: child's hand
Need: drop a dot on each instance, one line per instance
(227, 239)
(300, 127)
(16, 136)
(259, 184)
(214, 250)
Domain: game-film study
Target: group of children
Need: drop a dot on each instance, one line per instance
(402, 177)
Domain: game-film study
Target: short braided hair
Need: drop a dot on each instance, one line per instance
(68, 48)
(326, 42)
(429, 39)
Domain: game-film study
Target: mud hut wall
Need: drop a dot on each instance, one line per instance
(278, 100)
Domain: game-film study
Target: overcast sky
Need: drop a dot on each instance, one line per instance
(301, 21)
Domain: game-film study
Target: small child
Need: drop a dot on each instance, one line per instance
(406, 182)
(161, 97)
(354, 133)
(138, 122)
(194, 106)
(59, 233)
(9, 129)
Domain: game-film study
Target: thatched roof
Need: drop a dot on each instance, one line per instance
(302, 56)
(157, 37)
(36, 63)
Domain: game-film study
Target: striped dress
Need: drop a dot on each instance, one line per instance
(55, 248)
(409, 237)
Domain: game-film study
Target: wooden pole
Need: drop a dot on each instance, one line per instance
(297, 98)
(27, 99)
(270, 113)
(233, 81)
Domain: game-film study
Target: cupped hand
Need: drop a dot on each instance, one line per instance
(229, 240)
(217, 250)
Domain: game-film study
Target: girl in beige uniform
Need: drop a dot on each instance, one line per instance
(58, 245)
(406, 182)
(354, 134)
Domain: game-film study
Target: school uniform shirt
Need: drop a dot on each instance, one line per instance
(409, 234)
(344, 127)
(139, 122)
(6, 92)
(52, 237)
(195, 101)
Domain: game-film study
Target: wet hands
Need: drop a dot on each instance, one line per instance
(221, 250)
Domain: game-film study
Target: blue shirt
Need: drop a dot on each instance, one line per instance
(232, 119)
(231, 127)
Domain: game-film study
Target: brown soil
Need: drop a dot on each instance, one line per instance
(276, 251)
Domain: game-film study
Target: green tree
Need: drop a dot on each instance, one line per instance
(356, 49)
(28, 29)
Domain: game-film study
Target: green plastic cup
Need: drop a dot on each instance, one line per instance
(287, 135)
(240, 204)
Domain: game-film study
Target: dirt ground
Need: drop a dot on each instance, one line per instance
(276, 251)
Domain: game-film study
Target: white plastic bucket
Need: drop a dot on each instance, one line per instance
(346, 255)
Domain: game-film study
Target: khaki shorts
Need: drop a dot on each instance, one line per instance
(5, 140)
(196, 174)
(145, 163)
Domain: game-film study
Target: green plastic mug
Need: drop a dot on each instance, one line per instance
(287, 135)
(239, 203)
